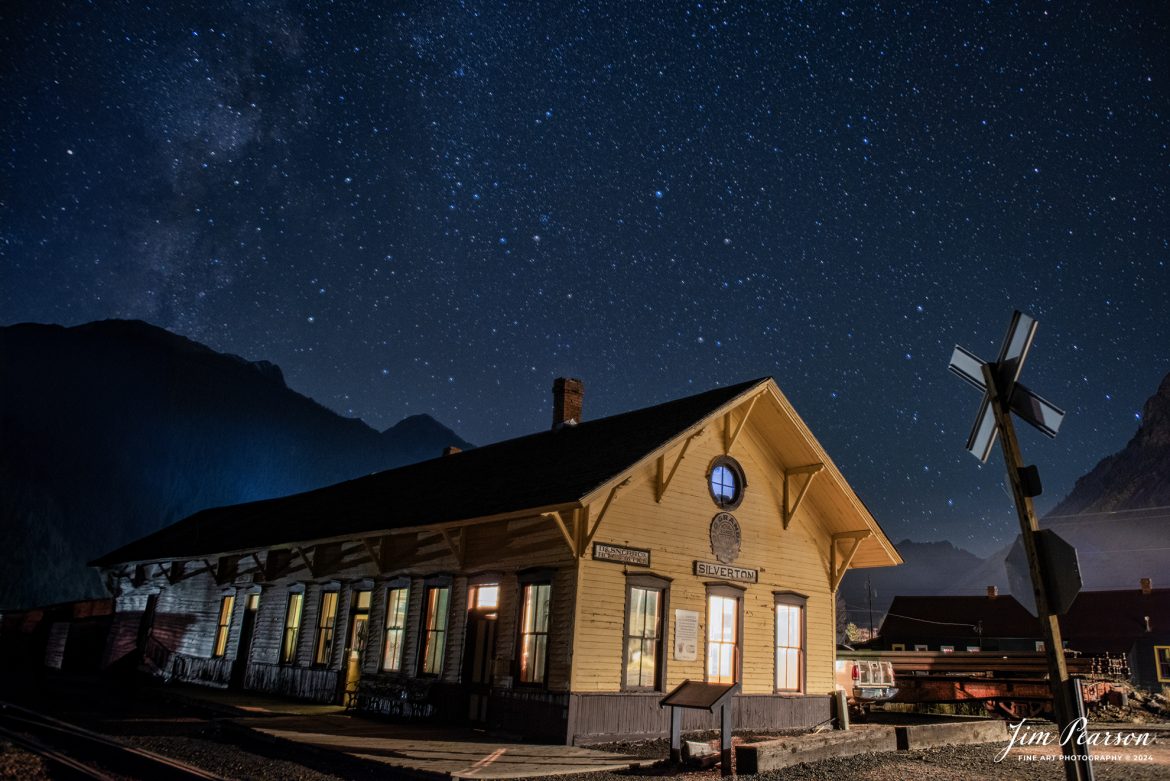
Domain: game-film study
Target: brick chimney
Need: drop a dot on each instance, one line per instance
(992, 592)
(568, 395)
(1147, 585)
(451, 450)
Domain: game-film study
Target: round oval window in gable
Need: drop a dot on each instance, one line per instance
(726, 482)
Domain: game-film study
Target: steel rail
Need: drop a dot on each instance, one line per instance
(61, 742)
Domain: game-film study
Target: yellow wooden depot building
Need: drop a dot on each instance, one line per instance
(553, 585)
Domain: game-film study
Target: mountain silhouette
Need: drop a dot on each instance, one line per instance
(1117, 517)
(113, 429)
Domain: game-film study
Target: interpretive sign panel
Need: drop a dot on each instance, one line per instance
(686, 635)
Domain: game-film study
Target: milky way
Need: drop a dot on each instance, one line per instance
(439, 207)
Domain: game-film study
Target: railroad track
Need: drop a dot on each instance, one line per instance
(77, 753)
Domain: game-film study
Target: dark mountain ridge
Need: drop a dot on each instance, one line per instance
(1117, 517)
(113, 429)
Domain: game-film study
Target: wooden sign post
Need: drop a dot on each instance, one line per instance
(1003, 395)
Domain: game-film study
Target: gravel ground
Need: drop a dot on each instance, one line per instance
(950, 763)
(18, 765)
(175, 729)
(216, 751)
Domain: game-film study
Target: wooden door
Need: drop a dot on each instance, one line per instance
(477, 666)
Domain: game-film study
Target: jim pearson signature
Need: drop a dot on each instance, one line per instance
(1076, 734)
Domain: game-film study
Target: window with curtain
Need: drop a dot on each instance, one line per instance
(326, 621)
(435, 640)
(534, 621)
(396, 602)
(789, 645)
(292, 628)
(223, 627)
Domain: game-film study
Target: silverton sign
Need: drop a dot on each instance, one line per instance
(622, 555)
(713, 569)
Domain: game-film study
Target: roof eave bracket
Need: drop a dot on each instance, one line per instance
(837, 568)
(662, 482)
(789, 505)
(730, 436)
(601, 516)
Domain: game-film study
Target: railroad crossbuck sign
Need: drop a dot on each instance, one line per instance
(1050, 562)
(1037, 411)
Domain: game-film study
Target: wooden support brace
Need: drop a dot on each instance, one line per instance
(305, 558)
(601, 515)
(729, 436)
(837, 568)
(789, 506)
(580, 528)
(374, 557)
(560, 522)
(664, 477)
(456, 546)
(256, 558)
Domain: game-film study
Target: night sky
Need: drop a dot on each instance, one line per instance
(439, 207)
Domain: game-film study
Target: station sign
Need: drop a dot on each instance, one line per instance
(713, 569)
(620, 554)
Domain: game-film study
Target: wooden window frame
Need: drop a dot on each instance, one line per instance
(429, 585)
(1162, 672)
(403, 585)
(797, 600)
(740, 477)
(475, 582)
(650, 582)
(540, 576)
(223, 629)
(321, 628)
(288, 654)
(729, 591)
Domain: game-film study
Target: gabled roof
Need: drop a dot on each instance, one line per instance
(1111, 620)
(540, 470)
(943, 617)
(1098, 621)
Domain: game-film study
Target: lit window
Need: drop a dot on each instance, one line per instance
(435, 644)
(225, 623)
(487, 597)
(643, 638)
(326, 618)
(534, 632)
(722, 638)
(947, 649)
(725, 481)
(292, 628)
(789, 643)
(1162, 661)
(396, 602)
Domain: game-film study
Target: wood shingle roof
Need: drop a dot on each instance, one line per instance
(539, 470)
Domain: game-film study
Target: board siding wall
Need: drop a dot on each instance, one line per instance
(595, 718)
(677, 533)
(187, 613)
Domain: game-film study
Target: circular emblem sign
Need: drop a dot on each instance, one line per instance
(725, 538)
